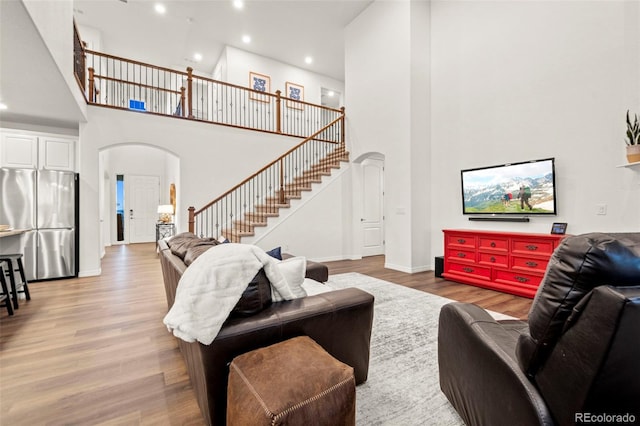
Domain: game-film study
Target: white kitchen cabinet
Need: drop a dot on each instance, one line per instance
(19, 151)
(37, 151)
(56, 153)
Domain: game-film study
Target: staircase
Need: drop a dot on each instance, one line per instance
(238, 212)
(282, 199)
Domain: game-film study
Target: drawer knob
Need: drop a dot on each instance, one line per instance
(461, 240)
(493, 243)
(532, 264)
(467, 270)
(460, 254)
(532, 247)
(492, 259)
(521, 279)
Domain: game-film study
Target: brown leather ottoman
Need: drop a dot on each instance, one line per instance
(293, 382)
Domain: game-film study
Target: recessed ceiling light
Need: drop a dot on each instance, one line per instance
(3, 106)
(330, 93)
(238, 4)
(160, 8)
(197, 56)
(246, 38)
(308, 59)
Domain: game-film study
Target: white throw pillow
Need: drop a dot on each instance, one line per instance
(293, 271)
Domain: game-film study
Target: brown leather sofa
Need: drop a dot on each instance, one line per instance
(574, 360)
(340, 321)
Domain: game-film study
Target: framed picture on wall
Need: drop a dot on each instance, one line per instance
(260, 83)
(295, 92)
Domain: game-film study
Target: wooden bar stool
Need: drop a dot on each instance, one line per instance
(16, 288)
(5, 297)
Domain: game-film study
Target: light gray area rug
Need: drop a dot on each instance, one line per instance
(403, 386)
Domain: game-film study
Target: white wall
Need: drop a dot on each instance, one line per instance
(53, 20)
(238, 63)
(92, 37)
(317, 228)
(387, 82)
(515, 81)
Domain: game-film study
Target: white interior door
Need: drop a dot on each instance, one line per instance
(372, 220)
(142, 199)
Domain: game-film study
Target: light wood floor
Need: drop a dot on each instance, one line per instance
(94, 351)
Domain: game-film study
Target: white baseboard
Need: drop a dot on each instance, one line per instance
(90, 273)
(408, 270)
(329, 259)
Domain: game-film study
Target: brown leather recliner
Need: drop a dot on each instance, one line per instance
(575, 359)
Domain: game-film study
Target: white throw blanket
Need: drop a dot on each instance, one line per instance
(213, 284)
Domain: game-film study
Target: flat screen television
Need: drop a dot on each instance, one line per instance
(527, 188)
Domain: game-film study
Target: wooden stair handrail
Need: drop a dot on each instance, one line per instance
(269, 165)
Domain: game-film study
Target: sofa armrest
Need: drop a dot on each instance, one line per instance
(340, 321)
(315, 271)
(479, 373)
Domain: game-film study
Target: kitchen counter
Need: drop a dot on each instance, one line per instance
(13, 232)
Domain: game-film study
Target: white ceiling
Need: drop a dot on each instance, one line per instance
(31, 83)
(287, 31)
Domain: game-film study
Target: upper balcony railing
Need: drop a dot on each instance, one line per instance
(115, 82)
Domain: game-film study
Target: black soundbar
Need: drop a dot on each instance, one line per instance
(499, 219)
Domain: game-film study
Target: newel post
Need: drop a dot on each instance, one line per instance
(278, 112)
(192, 219)
(91, 86)
(182, 99)
(190, 91)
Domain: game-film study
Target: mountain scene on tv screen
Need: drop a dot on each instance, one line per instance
(524, 195)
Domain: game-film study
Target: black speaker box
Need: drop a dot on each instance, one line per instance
(439, 266)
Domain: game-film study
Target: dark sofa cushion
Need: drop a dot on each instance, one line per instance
(180, 244)
(196, 248)
(255, 298)
(276, 253)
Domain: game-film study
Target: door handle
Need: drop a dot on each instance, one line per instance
(362, 219)
(131, 214)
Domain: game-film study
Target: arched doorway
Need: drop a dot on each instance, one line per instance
(136, 179)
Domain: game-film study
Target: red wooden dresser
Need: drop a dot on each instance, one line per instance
(504, 261)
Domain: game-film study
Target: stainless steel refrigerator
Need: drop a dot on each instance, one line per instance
(46, 202)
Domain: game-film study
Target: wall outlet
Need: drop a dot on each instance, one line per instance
(601, 209)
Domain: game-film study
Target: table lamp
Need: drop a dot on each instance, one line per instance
(165, 211)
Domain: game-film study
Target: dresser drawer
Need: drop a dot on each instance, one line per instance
(532, 247)
(460, 254)
(461, 241)
(529, 264)
(517, 278)
(493, 244)
(469, 270)
(492, 259)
